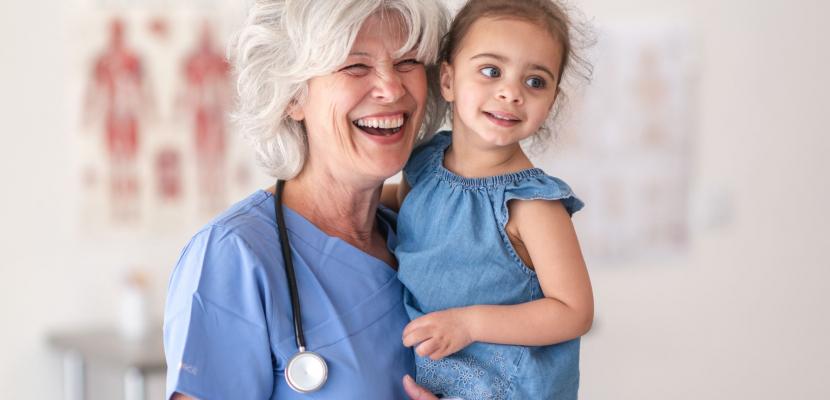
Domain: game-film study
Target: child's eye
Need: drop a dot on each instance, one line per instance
(536, 82)
(355, 69)
(407, 65)
(490, 72)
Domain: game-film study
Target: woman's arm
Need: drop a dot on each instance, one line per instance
(392, 194)
(566, 311)
(389, 196)
(415, 391)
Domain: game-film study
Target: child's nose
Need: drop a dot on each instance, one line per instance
(510, 93)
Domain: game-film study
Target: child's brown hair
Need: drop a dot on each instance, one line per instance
(548, 14)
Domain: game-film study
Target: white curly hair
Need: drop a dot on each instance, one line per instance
(284, 43)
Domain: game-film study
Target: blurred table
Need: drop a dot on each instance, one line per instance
(136, 358)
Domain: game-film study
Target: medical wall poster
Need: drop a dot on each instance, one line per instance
(626, 143)
(150, 100)
(151, 91)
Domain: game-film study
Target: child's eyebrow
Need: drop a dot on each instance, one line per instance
(543, 69)
(504, 59)
(489, 55)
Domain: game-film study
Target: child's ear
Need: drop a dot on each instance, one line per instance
(295, 111)
(447, 81)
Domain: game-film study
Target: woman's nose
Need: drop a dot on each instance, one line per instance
(388, 87)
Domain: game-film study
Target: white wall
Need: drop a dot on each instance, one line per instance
(741, 317)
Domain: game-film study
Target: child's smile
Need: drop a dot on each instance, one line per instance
(502, 118)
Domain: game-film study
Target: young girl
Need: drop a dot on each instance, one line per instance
(496, 285)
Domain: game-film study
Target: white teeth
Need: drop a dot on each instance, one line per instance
(501, 118)
(382, 123)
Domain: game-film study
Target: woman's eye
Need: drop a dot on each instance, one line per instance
(355, 69)
(490, 72)
(535, 82)
(407, 65)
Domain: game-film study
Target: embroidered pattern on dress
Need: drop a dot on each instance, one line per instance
(466, 377)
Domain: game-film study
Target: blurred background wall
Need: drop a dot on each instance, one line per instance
(741, 314)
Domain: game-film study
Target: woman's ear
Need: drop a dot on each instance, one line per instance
(295, 111)
(447, 82)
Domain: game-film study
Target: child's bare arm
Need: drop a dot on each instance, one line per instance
(566, 311)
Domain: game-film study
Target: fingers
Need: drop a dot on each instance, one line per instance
(416, 324)
(414, 391)
(414, 334)
(426, 348)
(428, 341)
(434, 349)
(441, 353)
(415, 338)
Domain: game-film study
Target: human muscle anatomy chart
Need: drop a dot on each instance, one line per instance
(206, 100)
(155, 149)
(116, 95)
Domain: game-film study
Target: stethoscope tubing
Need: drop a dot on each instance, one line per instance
(306, 371)
(289, 268)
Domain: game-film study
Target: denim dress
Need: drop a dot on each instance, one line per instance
(453, 251)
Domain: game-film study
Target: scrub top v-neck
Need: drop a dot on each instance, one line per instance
(228, 331)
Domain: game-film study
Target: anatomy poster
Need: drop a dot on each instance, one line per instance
(627, 141)
(155, 150)
(152, 97)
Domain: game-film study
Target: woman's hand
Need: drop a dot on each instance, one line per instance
(441, 333)
(414, 391)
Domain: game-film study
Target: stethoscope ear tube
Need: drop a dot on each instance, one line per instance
(306, 371)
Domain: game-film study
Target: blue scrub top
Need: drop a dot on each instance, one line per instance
(228, 331)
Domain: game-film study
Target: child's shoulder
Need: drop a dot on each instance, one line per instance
(438, 142)
(541, 186)
(425, 155)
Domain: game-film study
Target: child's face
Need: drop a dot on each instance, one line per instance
(502, 80)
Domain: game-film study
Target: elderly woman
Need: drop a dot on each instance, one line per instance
(333, 95)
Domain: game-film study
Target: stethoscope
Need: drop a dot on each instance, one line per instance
(306, 371)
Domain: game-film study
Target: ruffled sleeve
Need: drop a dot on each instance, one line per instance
(424, 156)
(540, 187)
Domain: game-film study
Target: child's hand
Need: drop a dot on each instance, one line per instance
(440, 333)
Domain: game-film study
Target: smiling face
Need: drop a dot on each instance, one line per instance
(502, 81)
(362, 119)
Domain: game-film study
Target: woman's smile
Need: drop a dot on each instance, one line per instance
(382, 125)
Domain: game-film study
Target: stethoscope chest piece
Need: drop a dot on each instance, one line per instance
(306, 372)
